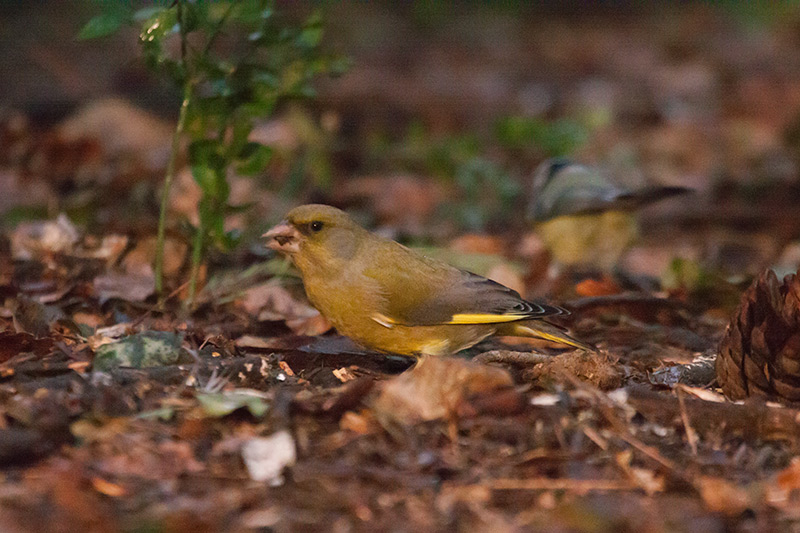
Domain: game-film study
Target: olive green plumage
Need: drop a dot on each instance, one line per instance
(390, 298)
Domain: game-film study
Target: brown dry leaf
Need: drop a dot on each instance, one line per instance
(93, 320)
(74, 506)
(140, 259)
(32, 316)
(128, 287)
(310, 326)
(437, 388)
(783, 489)
(109, 334)
(185, 195)
(646, 479)
(721, 496)
(38, 240)
(344, 374)
(272, 302)
(402, 201)
(361, 423)
(473, 243)
(122, 130)
(12, 344)
(594, 287)
(257, 343)
(505, 274)
(109, 248)
(108, 488)
(18, 191)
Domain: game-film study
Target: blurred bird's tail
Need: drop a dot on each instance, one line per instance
(544, 330)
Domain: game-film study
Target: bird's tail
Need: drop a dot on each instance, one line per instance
(544, 330)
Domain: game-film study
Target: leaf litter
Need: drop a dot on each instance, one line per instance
(118, 414)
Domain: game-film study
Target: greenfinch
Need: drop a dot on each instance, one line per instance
(392, 299)
(585, 219)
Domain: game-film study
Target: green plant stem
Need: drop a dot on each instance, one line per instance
(162, 216)
(197, 258)
(173, 161)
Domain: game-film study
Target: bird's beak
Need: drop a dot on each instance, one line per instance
(283, 238)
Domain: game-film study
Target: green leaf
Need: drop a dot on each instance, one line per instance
(163, 24)
(253, 158)
(311, 35)
(142, 350)
(206, 177)
(105, 24)
(208, 166)
(221, 404)
(162, 413)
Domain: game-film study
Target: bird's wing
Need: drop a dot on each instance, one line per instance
(438, 294)
(565, 188)
(477, 300)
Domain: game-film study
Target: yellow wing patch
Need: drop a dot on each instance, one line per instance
(461, 318)
(384, 320)
(484, 318)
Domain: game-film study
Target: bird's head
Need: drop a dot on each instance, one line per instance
(316, 234)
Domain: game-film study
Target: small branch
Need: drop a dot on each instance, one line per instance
(512, 358)
(197, 258)
(173, 159)
(574, 485)
(691, 434)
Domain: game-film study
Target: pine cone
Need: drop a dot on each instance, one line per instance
(760, 352)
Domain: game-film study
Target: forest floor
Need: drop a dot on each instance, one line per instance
(248, 413)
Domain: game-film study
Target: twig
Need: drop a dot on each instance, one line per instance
(622, 431)
(691, 434)
(577, 485)
(513, 358)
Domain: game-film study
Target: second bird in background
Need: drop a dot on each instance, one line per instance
(585, 219)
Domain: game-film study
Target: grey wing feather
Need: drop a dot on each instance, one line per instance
(561, 187)
(476, 295)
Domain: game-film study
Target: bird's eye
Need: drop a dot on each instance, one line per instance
(316, 225)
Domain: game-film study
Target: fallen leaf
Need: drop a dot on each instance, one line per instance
(35, 318)
(473, 243)
(122, 130)
(722, 496)
(593, 287)
(437, 388)
(37, 240)
(224, 403)
(343, 374)
(272, 302)
(128, 287)
(106, 487)
(267, 457)
(361, 423)
(286, 368)
(141, 350)
(140, 259)
(505, 274)
(109, 248)
(779, 491)
(402, 201)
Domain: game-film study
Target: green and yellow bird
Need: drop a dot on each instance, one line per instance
(393, 299)
(583, 217)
